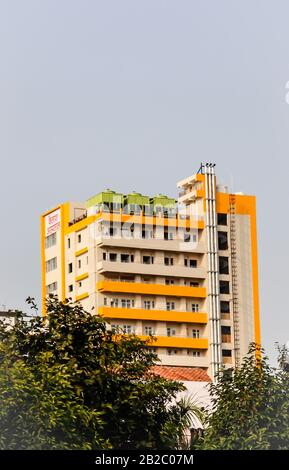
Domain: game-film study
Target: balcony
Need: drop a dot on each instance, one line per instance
(183, 360)
(177, 342)
(156, 269)
(142, 219)
(153, 244)
(191, 195)
(153, 315)
(151, 289)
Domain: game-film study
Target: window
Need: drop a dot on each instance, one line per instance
(170, 282)
(126, 278)
(105, 301)
(127, 329)
(70, 268)
(50, 240)
(147, 234)
(222, 219)
(114, 303)
(226, 353)
(192, 263)
(168, 235)
(195, 333)
(79, 284)
(149, 330)
(68, 243)
(225, 330)
(51, 264)
(104, 256)
(148, 259)
(169, 261)
(224, 287)
(148, 304)
(193, 352)
(132, 258)
(114, 328)
(112, 257)
(171, 331)
(79, 238)
(79, 263)
(225, 306)
(124, 258)
(170, 305)
(222, 240)
(51, 288)
(192, 283)
(70, 288)
(223, 265)
(195, 307)
(172, 352)
(187, 237)
(127, 303)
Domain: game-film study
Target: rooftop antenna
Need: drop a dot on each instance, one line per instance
(203, 165)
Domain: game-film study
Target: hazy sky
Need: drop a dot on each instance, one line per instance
(132, 95)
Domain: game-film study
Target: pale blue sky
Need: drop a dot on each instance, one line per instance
(132, 95)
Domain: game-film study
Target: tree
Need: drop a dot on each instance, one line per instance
(71, 383)
(250, 407)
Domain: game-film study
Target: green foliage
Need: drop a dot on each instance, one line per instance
(250, 407)
(70, 383)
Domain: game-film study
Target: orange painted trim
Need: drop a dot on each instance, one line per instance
(177, 342)
(81, 296)
(246, 205)
(153, 289)
(254, 244)
(149, 220)
(64, 223)
(42, 248)
(43, 272)
(81, 252)
(157, 315)
(80, 225)
(81, 277)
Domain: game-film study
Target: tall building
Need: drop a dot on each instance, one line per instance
(184, 271)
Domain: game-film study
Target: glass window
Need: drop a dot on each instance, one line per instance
(222, 240)
(50, 240)
(224, 287)
(171, 331)
(226, 353)
(51, 288)
(225, 306)
(223, 265)
(51, 264)
(149, 330)
(222, 219)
